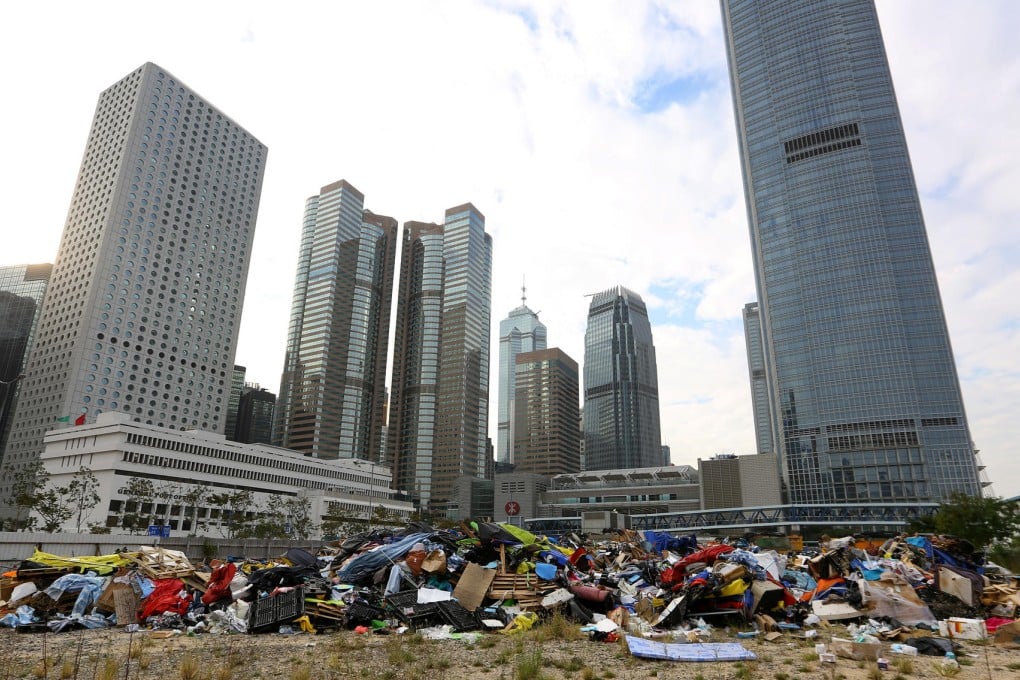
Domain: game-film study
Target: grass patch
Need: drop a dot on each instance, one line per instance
(189, 668)
(904, 666)
(528, 665)
(557, 627)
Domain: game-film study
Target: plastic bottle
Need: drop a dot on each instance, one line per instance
(950, 661)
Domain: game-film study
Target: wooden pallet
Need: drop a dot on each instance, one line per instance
(159, 563)
(526, 589)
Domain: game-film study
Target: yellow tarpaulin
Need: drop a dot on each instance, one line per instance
(101, 564)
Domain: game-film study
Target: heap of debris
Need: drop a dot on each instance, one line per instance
(918, 594)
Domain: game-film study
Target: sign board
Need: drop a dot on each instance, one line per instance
(159, 530)
(512, 508)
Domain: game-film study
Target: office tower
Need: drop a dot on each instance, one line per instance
(332, 393)
(547, 434)
(520, 332)
(666, 462)
(21, 295)
(759, 384)
(255, 415)
(142, 311)
(234, 402)
(866, 404)
(440, 387)
(621, 384)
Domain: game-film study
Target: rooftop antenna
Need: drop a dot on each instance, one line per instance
(524, 292)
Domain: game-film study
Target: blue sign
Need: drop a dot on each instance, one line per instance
(159, 530)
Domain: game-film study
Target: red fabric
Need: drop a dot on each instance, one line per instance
(80, 420)
(165, 598)
(219, 583)
(708, 555)
(993, 623)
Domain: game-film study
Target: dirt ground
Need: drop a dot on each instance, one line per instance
(541, 653)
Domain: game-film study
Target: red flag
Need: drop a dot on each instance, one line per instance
(80, 420)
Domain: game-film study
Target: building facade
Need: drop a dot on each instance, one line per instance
(332, 393)
(234, 402)
(520, 332)
(21, 294)
(255, 416)
(756, 372)
(190, 470)
(621, 384)
(865, 400)
(631, 491)
(439, 392)
(731, 481)
(547, 433)
(142, 312)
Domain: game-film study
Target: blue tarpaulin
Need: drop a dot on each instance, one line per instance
(693, 651)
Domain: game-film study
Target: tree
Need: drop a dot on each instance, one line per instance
(192, 499)
(284, 517)
(982, 521)
(26, 485)
(140, 494)
(82, 494)
(235, 508)
(52, 508)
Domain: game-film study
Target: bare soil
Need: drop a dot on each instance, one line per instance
(560, 653)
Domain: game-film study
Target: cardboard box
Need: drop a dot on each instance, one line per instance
(963, 629)
(858, 651)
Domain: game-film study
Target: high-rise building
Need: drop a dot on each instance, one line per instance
(255, 415)
(142, 311)
(621, 384)
(21, 294)
(234, 402)
(439, 392)
(520, 332)
(865, 400)
(759, 384)
(333, 390)
(547, 434)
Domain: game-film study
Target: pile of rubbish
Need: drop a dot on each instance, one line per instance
(919, 594)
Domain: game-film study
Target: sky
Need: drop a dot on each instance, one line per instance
(596, 137)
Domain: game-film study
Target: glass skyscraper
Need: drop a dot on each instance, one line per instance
(21, 294)
(439, 392)
(621, 384)
(142, 311)
(520, 332)
(332, 394)
(862, 386)
(759, 384)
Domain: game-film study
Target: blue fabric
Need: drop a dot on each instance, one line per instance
(372, 561)
(698, 651)
(660, 540)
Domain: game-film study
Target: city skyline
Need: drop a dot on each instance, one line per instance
(577, 130)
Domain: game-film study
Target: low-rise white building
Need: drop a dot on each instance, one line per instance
(185, 465)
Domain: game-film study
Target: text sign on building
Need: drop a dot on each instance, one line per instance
(512, 508)
(159, 530)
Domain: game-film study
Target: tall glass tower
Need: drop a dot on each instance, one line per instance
(864, 396)
(332, 394)
(439, 393)
(142, 311)
(621, 384)
(21, 294)
(520, 332)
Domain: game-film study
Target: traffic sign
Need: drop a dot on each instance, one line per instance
(159, 530)
(512, 508)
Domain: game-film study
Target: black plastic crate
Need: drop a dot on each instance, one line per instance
(457, 616)
(363, 613)
(268, 612)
